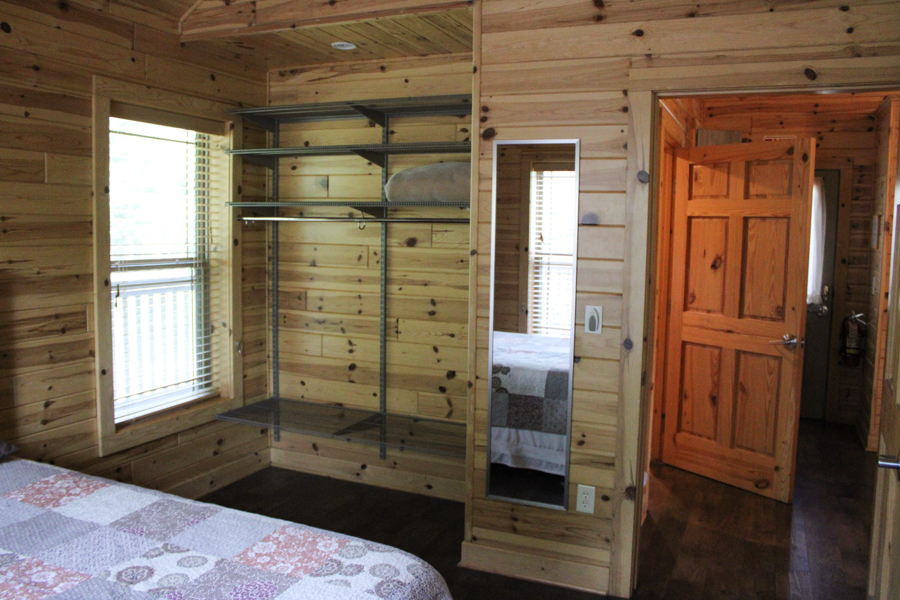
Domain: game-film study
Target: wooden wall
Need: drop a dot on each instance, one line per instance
(884, 174)
(329, 277)
(49, 52)
(576, 69)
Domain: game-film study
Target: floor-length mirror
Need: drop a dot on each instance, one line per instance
(534, 242)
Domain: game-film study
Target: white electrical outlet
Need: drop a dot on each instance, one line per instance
(593, 319)
(585, 502)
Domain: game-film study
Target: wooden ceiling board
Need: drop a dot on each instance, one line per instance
(396, 37)
(857, 105)
(218, 18)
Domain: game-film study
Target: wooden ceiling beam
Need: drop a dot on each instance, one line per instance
(214, 19)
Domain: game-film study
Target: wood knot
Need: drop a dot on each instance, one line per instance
(761, 484)
(489, 133)
(630, 493)
(810, 74)
(716, 263)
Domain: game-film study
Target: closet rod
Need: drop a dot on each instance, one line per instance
(354, 220)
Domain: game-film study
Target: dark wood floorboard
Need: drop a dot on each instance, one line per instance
(701, 539)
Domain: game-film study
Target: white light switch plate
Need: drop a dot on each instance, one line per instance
(585, 502)
(593, 319)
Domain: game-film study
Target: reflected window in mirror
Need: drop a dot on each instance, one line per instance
(532, 320)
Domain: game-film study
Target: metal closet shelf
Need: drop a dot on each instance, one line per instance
(375, 153)
(386, 430)
(375, 212)
(400, 432)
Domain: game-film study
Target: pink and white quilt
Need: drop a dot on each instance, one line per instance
(69, 536)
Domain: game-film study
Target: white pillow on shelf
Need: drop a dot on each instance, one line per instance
(442, 182)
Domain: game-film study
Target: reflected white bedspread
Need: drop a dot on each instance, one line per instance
(528, 449)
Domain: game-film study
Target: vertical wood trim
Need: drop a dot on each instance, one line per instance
(734, 250)
(788, 423)
(633, 399)
(235, 241)
(661, 271)
(524, 231)
(887, 223)
(672, 334)
(103, 350)
(471, 400)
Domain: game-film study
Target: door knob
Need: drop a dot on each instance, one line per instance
(890, 462)
(788, 341)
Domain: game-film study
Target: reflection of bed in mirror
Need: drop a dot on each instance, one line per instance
(529, 401)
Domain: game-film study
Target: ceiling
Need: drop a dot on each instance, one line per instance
(395, 37)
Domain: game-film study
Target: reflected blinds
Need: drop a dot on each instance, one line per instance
(554, 200)
(166, 265)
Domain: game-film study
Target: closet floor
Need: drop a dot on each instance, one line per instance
(701, 539)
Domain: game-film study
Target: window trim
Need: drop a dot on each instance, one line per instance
(118, 98)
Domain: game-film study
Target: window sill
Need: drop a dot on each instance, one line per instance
(156, 426)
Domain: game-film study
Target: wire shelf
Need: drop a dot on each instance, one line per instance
(400, 432)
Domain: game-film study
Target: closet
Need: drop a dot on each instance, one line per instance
(328, 416)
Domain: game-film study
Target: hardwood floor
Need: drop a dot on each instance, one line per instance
(701, 539)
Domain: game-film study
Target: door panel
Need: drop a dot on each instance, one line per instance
(764, 273)
(707, 244)
(758, 385)
(740, 245)
(699, 406)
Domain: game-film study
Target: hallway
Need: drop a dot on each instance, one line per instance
(704, 540)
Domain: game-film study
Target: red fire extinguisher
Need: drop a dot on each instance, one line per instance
(853, 339)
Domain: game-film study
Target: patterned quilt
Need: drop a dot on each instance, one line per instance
(530, 382)
(68, 536)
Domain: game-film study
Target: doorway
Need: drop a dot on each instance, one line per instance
(820, 293)
(847, 146)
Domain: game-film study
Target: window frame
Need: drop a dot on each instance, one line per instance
(144, 103)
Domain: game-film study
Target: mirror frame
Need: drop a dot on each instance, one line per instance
(535, 142)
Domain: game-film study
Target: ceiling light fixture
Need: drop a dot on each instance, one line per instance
(343, 46)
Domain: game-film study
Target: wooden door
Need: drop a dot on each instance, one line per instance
(740, 247)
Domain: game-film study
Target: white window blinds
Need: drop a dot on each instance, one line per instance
(551, 252)
(161, 225)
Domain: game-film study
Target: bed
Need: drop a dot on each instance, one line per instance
(529, 401)
(69, 536)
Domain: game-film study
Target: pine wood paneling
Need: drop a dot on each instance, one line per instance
(540, 55)
(48, 404)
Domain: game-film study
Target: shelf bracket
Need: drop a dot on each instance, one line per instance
(370, 114)
(375, 157)
(259, 211)
(269, 162)
(375, 211)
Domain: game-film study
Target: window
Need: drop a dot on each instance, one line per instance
(162, 273)
(551, 252)
(816, 244)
